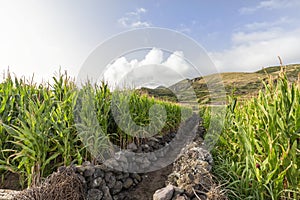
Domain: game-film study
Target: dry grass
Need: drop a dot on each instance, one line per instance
(62, 185)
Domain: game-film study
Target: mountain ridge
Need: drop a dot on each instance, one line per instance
(242, 84)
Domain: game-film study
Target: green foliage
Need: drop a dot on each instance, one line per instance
(46, 126)
(257, 155)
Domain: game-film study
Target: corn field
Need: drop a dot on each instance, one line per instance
(46, 126)
(258, 152)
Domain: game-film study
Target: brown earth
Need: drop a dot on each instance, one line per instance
(10, 181)
(151, 182)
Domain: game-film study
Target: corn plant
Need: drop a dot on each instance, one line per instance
(31, 142)
(92, 111)
(48, 125)
(258, 151)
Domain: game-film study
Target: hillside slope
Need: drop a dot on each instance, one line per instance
(243, 85)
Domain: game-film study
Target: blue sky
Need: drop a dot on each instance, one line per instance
(239, 35)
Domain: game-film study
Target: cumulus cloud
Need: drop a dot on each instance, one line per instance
(134, 19)
(259, 49)
(258, 44)
(141, 10)
(270, 5)
(151, 71)
(240, 38)
(155, 56)
(177, 62)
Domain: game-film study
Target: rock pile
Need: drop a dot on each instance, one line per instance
(101, 182)
(191, 178)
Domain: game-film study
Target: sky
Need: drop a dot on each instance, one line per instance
(41, 37)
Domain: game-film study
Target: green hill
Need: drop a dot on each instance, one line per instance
(243, 85)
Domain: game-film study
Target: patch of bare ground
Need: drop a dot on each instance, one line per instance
(10, 181)
(151, 182)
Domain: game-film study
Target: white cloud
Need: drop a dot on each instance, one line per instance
(258, 44)
(177, 62)
(152, 71)
(259, 49)
(119, 68)
(270, 5)
(155, 56)
(256, 36)
(134, 19)
(141, 10)
(266, 25)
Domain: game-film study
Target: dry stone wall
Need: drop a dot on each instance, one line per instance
(190, 177)
(101, 182)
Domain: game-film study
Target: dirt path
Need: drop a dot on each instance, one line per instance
(151, 182)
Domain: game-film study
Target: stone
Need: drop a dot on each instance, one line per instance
(108, 176)
(98, 173)
(154, 145)
(81, 178)
(94, 194)
(103, 167)
(128, 183)
(165, 193)
(137, 177)
(124, 166)
(132, 146)
(135, 181)
(173, 134)
(151, 156)
(145, 147)
(121, 196)
(86, 163)
(89, 171)
(139, 159)
(80, 169)
(166, 148)
(139, 150)
(134, 167)
(111, 182)
(121, 176)
(178, 191)
(130, 156)
(106, 193)
(122, 158)
(146, 163)
(113, 164)
(97, 182)
(117, 187)
(160, 153)
(153, 139)
(61, 169)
